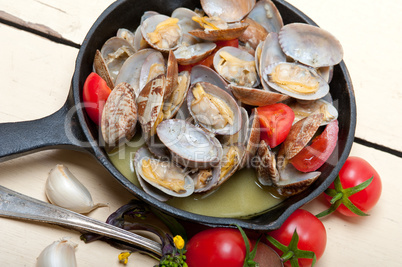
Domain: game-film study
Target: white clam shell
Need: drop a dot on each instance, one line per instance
(228, 99)
(143, 153)
(310, 45)
(321, 92)
(266, 14)
(189, 145)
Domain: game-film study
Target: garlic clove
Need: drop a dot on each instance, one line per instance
(60, 253)
(65, 190)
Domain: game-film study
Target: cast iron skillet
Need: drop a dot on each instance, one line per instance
(70, 127)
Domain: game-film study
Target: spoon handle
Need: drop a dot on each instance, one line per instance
(19, 206)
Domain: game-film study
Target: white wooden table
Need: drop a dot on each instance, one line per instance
(35, 77)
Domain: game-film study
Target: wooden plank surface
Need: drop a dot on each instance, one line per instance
(36, 76)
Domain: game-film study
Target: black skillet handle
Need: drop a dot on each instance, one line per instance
(58, 130)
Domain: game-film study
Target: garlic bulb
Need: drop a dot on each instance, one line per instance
(60, 253)
(65, 190)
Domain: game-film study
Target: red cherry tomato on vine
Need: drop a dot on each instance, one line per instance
(275, 122)
(216, 247)
(311, 232)
(355, 171)
(95, 94)
(314, 156)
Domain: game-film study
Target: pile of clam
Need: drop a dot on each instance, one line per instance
(202, 126)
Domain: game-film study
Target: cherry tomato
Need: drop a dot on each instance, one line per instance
(276, 121)
(95, 94)
(314, 156)
(216, 247)
(354, 172)
(208, 61)
(311, 232)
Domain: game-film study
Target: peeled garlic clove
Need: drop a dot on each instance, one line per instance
(65, 190)
(60, 253)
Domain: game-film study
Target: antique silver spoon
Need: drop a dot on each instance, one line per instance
(19, 206)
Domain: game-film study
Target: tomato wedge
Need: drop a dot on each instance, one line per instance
(208, 61)
(314, 156)
(95, 94)
(275, 122)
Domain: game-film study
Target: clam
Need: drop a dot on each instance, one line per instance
(130, 72)
(254, 34)
(162, 32)
(292, 181)
(274, 171)
(231, 161)
(214, 109)
(126, 35)
(267, 15)
(172, 72)
(300, 134)
(310, 45)
(227, 10)
(201, 73)
(215, 29)
(101, 69)
(150, 104)
(256, 97)
(186, 55)
(302, 109)
(172, 104)
(189, 145)
(115, 52)
(206, 179)
(236, 66)
(139, 41)
(271, 52)
(185, 16)
(252, 138)
(295, 80)
(267, 172)
(153, 66)
(163, 175)
(119, 116)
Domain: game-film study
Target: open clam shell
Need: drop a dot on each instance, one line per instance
(304, 108)
(119, 116)
(126, 35)
(256, 97)
(150, 104)
(295, 74)
(310, 45)
(254, 34)
(293, 182)
(233, 31)
(189, 145)
(115, 51)
(102, 70)
(267, 15)
(144, 157)
(265, 165)
(172, 72)
(172, 104)
(130, 72)
(237, 66)
(153, 66)
(207, 115)
(186, 55)
(228, 10)
(271, 52)
(300, 134)
(201, 73)
(231, 161)
(164, 41)
(185, 19)
(206, 179)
